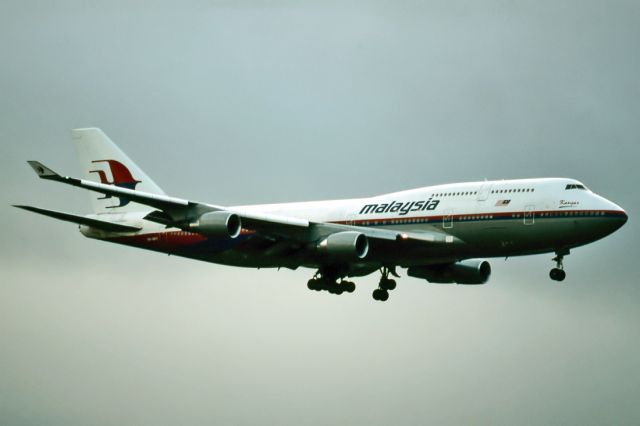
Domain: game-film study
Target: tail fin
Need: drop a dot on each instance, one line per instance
(101, 160)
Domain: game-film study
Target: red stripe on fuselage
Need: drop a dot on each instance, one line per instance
(169, 241)
(163, 241)
(538, 214)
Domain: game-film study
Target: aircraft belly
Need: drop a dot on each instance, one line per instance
(513, 237)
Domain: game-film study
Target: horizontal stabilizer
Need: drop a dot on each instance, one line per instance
(82, 220)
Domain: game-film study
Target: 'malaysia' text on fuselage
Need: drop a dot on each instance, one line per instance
(400, 208)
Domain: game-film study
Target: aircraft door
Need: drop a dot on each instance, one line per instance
(529, 214)
(447, 219)
(484, 192)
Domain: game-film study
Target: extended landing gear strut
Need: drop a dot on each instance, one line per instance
(329, 282)
(386, 284)
(557, 273)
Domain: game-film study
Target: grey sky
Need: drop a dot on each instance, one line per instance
(239, 102)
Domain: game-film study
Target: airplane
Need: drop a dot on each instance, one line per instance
(441, 234)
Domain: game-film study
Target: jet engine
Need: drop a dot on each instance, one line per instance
(348, 245)
(218, 224)
(471, 271)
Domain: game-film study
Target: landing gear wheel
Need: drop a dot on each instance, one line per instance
(385, 284)
(557, 274)
(384, 295)
(380, 294)
(348, 286)
(312, 284)
(330, 281)
(388, 284)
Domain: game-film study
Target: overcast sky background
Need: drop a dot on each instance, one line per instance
(239, 102)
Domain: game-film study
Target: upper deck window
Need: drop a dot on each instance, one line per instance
(575, 186)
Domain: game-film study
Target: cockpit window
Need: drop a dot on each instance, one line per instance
(575, 186)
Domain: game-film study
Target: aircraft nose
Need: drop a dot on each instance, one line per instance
(618, 218)
(618, 213)
(624, 216)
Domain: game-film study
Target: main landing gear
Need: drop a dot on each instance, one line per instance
(386, 284)
(330, 283)
(557, 273)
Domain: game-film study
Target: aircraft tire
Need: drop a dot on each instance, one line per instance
(334, 288)
(388, 284)
(384, 296)
(557, 274)
(312, 285)
(380, 294)
(349, 286)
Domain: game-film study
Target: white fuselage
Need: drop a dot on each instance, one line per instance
(494, 218)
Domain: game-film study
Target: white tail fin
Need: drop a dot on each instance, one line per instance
(102, 161)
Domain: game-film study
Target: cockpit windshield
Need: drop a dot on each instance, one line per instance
(575, 186)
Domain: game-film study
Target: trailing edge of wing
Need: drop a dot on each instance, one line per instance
(82, 220)
(162, 202)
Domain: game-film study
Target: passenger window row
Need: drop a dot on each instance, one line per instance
(495, 191)
(574, 213)
(455, 194)
(509, 191)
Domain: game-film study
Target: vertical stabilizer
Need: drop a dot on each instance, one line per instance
(102, 161)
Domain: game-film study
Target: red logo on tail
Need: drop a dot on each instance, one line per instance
(120, 175)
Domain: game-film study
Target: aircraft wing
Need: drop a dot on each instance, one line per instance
(177, 212)
(82, 220)
(171, 211)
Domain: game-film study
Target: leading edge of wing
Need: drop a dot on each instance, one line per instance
(428, 237)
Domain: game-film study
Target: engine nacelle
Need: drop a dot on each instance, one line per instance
(348, 245)
(218, 224)
(471, 271)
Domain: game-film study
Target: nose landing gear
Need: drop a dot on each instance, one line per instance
(558, 273)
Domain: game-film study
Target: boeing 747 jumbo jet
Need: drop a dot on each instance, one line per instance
(437, 232)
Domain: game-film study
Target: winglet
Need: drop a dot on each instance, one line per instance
(43, 171)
